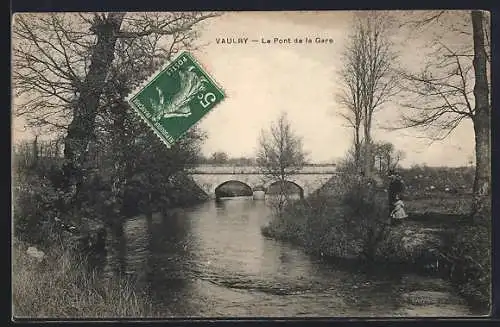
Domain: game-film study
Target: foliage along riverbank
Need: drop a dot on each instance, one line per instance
(37, 201)
(350, 224)
(60, 286)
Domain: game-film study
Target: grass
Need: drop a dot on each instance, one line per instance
(59, 287)
(440, 203)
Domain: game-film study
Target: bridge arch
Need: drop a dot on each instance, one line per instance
(233, 188)
(289, 186)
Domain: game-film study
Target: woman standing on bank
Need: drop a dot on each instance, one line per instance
(396, 189)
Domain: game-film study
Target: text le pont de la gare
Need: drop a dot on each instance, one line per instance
(275, 40)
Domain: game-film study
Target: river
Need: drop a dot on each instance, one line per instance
(211, 260)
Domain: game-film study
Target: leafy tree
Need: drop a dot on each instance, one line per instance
(63, 64)
(219, 157)
(72, 73)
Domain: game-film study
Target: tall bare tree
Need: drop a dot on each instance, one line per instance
(62, 64)
(367, 78)
(453, 87)
(280, 153)
(482, 116)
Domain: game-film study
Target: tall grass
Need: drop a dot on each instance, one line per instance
(61, 287)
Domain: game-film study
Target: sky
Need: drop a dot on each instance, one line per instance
(262, 80)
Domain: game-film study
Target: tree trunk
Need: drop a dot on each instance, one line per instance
(81, 128)
(119, 147)
(357, 148)
(34, 162)
(368, 157)
(482, 130)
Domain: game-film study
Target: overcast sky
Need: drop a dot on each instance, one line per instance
(261, 80)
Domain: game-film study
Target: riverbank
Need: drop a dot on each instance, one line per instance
(57, 286)
(437, 239)
(181, 191)
(60, 286)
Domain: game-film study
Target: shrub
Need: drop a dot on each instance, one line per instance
(366, 217)
(471, 255)
(35, 206)
(350, 223)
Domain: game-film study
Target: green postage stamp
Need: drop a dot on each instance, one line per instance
(176, 98)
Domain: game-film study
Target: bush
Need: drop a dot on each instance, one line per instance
(350, 224)
(471, 255)
(35, 207)
(367, 217)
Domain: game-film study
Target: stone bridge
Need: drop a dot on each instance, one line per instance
(309, 179)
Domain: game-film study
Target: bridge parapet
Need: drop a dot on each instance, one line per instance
(241, 170)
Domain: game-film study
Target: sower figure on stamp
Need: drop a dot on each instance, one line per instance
(396, 189)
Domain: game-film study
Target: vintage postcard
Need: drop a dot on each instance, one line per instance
(251, 164)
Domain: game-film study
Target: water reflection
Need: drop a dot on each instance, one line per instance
(211, 260)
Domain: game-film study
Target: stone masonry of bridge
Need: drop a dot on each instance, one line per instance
(209, 177)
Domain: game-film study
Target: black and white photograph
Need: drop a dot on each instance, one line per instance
(343, 171)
